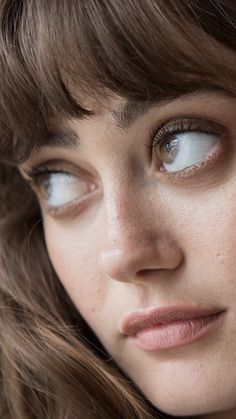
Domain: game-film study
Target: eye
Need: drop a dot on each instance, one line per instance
(186, 150)
(59, 189)
(185, 143)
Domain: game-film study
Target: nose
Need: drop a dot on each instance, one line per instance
(137, 242)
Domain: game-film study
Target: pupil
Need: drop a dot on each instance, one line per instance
(170, 150)
(47, 188)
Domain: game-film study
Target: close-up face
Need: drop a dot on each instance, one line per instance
(138, 210)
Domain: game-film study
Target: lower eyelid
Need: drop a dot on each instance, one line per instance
(217, 155)
(72, 208)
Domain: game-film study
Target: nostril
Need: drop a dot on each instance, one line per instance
(145, 272)
(125, 263)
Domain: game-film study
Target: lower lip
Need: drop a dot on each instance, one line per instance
(179, 333)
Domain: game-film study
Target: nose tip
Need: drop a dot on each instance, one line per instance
(128, 264)
(137, 239)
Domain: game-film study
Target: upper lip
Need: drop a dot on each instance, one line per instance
(134, 321)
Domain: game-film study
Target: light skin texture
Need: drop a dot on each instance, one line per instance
(143, 239)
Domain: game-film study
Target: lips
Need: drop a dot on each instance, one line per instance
(135, 321)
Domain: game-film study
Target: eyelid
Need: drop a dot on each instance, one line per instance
(187, 123)
(75, 206)
(181, 175)
(58, 165)
(72, 208)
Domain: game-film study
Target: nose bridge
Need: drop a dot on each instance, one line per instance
(134, 238)
(125, 210)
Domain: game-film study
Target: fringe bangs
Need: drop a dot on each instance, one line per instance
(57, 54)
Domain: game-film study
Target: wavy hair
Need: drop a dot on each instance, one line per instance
(53, 54)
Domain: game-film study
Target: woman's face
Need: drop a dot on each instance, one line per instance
(130, 227)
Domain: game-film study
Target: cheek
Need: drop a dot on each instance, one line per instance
(207, 232)
(74, 259)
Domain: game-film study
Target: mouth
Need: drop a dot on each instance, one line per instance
(169, 327)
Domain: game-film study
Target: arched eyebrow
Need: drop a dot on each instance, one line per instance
(64, 137)
(124, 116)
(128, 113)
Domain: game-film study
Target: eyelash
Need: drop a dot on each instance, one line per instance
(186, 124)
(158, 136)
(35, 180)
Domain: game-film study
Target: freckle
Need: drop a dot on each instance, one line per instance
(221, 257)
(93, 309)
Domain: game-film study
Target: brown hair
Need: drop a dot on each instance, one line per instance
(53, 54)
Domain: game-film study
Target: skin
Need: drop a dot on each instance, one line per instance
(145, 240)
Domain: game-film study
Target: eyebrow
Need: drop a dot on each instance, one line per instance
(125, 116)
(64, 137)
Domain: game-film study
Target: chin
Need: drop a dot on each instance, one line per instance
(187, 408)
